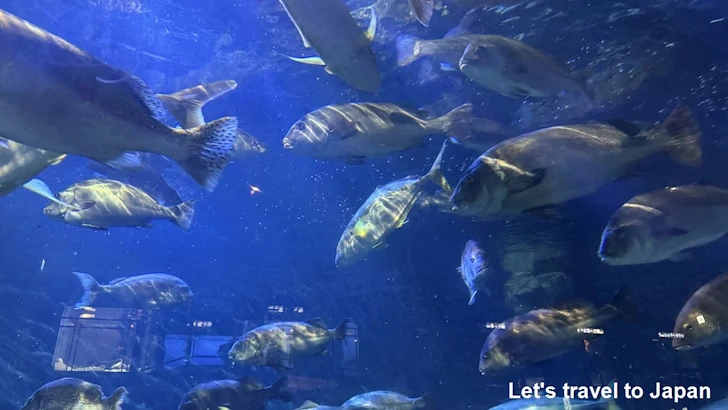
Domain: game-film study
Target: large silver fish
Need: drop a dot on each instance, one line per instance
(186, 107)
(703, 320)
(342, 46)
(506, 66)
(151, 290)
(659, 225)
(274, 345)
(546, 334)
(382, 213)
(553, 165)
(20, 163)
(70, 393)
(384, 400)
(102, 203)
(56, 97)
(354, 132)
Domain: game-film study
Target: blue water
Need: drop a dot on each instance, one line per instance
(249, 251)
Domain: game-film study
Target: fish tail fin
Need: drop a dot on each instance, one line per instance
(623, 305)
(186, 105)
(278, 390)
(340, 331)
(423, 10)
(183, 213)
(458, 123)
(682, 135)
(91, 289)
(422, 401)
(435, 175)
(408, 50)
(115, 401)
(207, 150)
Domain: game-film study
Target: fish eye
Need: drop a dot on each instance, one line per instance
(300, 126)
(469, 179)
(689, 327)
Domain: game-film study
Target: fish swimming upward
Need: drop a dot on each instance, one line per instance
(59, 98)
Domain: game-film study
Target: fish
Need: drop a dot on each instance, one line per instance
(538, 170)
(385, 211)
(384, 400)
(702, 320)
(661, 225)
(71, 393)
(343, 48)
(245, 393)
(101, 204)
(557, 403)
(506, 66)
(275, 344)
(354, 132)
(514, 69)
(58, 98)
(448, 50)
(150, 290)
(309, 405)
(544, 334)
(21, 163)
(186, 107)
(474, 269)
(422, 10)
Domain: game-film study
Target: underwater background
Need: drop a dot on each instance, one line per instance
(248, 251)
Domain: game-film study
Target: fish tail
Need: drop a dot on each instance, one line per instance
(115, 401)
(408, 50)
(458, 123)
(186, 105)
(340, 331)
(91, 288)
(207, 150)
(183, 213)
(682, 135)
(423, 10)
(422, 401)
(623, 305)
(435, 175)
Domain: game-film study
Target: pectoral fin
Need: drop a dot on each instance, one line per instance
(314, 60)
